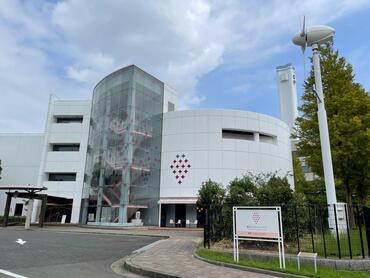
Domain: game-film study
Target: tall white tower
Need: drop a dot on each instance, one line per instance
(287, 89)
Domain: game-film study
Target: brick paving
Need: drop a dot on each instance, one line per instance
(175, 257)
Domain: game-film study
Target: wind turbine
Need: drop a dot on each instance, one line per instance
(314, 37)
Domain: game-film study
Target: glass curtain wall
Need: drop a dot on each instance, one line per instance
(123, 162)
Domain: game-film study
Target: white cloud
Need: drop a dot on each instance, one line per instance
(67, 47)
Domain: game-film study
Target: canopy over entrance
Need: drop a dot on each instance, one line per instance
(178, 200)
(27, 188)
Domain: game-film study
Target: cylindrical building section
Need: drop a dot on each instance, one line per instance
(287, 89)
(123, 161)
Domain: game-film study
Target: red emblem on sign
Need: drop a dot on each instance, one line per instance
(256, 217)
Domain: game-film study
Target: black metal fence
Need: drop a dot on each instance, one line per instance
(330, 231)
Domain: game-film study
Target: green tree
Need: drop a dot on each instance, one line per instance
(276, 191)
(240, 192)
(348, 112)
(211, 194)
(299, 179)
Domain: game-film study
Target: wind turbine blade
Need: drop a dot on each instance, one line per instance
(303, 31)
(303, 48)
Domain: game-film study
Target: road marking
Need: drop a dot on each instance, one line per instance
(147, 247)
(11, 274)
(21, 241)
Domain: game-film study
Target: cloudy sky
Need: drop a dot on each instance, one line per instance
(217, 53)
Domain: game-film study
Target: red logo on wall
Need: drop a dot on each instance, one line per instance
(180, 168)
(256, 217)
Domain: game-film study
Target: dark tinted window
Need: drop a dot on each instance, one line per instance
(171, 106)
(62, 176)
(237, 134)
(68, 119)
(265, 138)
(66, 147)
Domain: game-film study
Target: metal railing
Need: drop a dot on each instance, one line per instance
(307, 228)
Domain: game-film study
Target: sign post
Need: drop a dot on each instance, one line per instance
(258, 224)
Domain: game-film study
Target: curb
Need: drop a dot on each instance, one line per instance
(126, 263)
(130, 266)
(134, 268)
(105, 233)
(250, 269)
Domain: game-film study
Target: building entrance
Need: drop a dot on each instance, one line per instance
(56, 207)
(180, 215)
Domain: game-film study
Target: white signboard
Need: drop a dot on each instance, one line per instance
(258, 224)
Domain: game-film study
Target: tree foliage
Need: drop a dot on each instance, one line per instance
(249, 190)
(348, 112)
(240, 191)
(276, 191)
(211, 194)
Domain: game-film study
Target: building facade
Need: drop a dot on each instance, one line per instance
(221, 145)
(130, 150)
(20, 156)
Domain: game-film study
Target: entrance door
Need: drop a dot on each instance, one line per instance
(180, 214)
(163, 215)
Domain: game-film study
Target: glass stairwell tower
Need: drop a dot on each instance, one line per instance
(122, 172)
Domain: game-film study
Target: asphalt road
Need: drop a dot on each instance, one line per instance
(56, 254)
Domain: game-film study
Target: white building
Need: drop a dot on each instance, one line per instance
(129, 150)
(20, 156)
(198, 145)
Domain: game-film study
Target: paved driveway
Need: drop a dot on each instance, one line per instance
(57, 254)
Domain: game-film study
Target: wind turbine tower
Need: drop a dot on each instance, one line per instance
(314, 37)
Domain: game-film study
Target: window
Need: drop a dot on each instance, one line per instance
(68, 119)
(237, 134)
(267, 138)
(62, 176)
(18, 210)
(171, 107)
(65, 147)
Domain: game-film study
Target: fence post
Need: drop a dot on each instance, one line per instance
(323, 231)
(360, 230)
(336, 229)
(366, 217)
(348, 235)
(210, 228)
(206, 228)
(297, 226)
(312, 240)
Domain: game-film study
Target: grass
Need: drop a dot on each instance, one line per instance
(306, 270)
(331, 244)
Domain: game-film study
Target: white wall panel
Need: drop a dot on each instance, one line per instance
(20, 155)
(220, 159)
